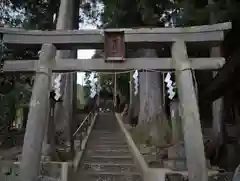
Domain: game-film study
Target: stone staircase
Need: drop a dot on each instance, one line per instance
(107, 157)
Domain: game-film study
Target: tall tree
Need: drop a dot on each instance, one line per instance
(134, 13)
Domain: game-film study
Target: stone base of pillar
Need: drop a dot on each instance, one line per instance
(176, 165)
(176, 151)
(175, 177)
(177, 158)
(43, 158)
(177, 135)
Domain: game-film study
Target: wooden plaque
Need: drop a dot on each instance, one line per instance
(114, 46)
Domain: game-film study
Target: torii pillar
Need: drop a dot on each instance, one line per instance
(37, 116)
(193, 139)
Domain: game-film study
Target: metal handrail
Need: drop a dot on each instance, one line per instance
(83, 128)
(81, 125)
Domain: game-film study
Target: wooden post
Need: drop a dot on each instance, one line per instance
(130, 106)
(193, 139)
(217, 106)
(66, 110)
(115, 89)
(70, 117)
(176, 122)
(74, 107)
(38, 116)
(130, 89)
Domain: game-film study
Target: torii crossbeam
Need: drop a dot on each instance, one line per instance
(209, 35)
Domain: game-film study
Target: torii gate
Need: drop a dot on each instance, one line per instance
(114, 41)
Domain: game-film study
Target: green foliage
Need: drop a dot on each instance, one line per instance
(106, 82)
(9, 14)
(35, 14)
(15, 90)
(87, 86)
(198, 12)
(129, 13)
(17, 97)
(123, 84)
(39, 14)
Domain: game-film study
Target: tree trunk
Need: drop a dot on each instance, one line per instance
(25, 116)
(11, 114)
(49, 143)
(151, 102)
(134, 107)
(133, 110)
(74, 77)
(177, 133)
(63, 110)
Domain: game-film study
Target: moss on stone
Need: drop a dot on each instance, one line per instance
(156, 132)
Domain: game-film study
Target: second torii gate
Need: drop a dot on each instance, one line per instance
(113, 41)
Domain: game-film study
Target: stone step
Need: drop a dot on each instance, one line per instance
(110, 152)
(107, 156)
(110, 176)
(103, 132)
(105, 127)
(107, 146)
(108, 167)
(108, 159)
(120, 137)
(113, 149)
(106, 133)
(107, 136)
(102, 142)
(107, 139)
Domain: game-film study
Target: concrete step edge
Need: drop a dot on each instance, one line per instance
(111, 157)
(107, 141)
(108, 137)
(109, 164)
(109, 150)
(101, 143)
(111, 173)
(108, 145)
